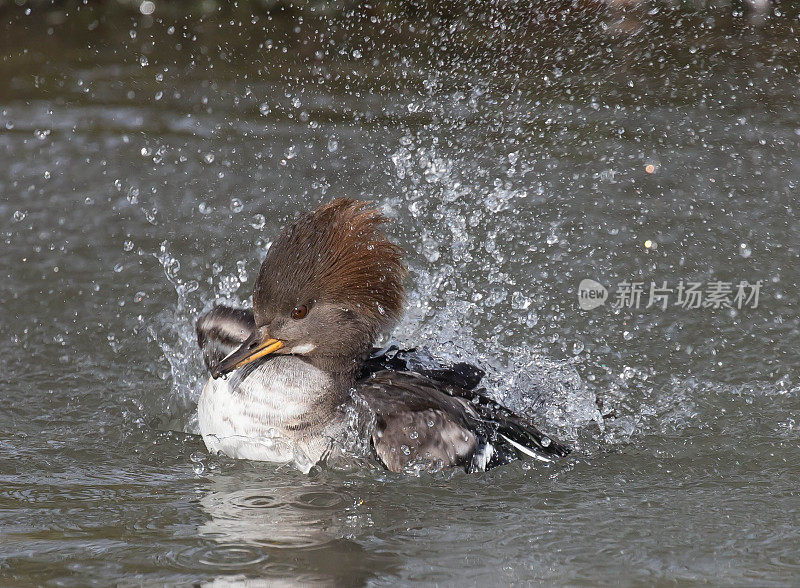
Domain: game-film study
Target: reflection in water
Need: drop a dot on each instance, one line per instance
(283, 530)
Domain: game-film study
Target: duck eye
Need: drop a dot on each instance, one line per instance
(299, 312)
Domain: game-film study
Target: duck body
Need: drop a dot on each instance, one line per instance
(284, 410)
(411, 411)
(275, 411)
(293, 379)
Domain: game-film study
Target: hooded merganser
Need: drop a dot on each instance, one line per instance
(302, 362)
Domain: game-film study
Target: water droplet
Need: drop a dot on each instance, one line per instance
(128, 245)
(241, 268)
(133, 195)
(264, 109)
(744, 250)
(139, 296)
(147, 7)
(209, 158)
(333, 145)
(19, 215)
(236, 205)
(519, 301)
(258, 222)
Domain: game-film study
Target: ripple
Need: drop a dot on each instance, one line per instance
(786, 561)
(281, 518)
(256, 501)
(222, 557)
(54, 496)
(319, 501)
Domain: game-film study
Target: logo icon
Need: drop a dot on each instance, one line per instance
(591, 294)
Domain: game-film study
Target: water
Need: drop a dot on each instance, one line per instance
(146, 162)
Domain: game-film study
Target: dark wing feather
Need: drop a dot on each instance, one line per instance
(221, 331)
(421, 420)
(462, 374)
(416, 421)
(515, 431)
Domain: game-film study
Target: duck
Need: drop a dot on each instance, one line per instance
(298, 375)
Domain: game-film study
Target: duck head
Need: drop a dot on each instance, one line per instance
(329, 285)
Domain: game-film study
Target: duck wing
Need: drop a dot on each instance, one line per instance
(462, 375)
(419, 419)
(221, 331)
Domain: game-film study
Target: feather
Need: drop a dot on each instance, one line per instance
(221, 331)
(419, 419)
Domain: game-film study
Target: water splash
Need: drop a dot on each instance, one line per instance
(467, 304)
(173, 331)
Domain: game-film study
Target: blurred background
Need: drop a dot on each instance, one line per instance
(150, 152)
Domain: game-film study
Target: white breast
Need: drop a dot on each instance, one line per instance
(257, 413)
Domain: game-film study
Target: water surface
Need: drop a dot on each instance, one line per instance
(146, 163)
